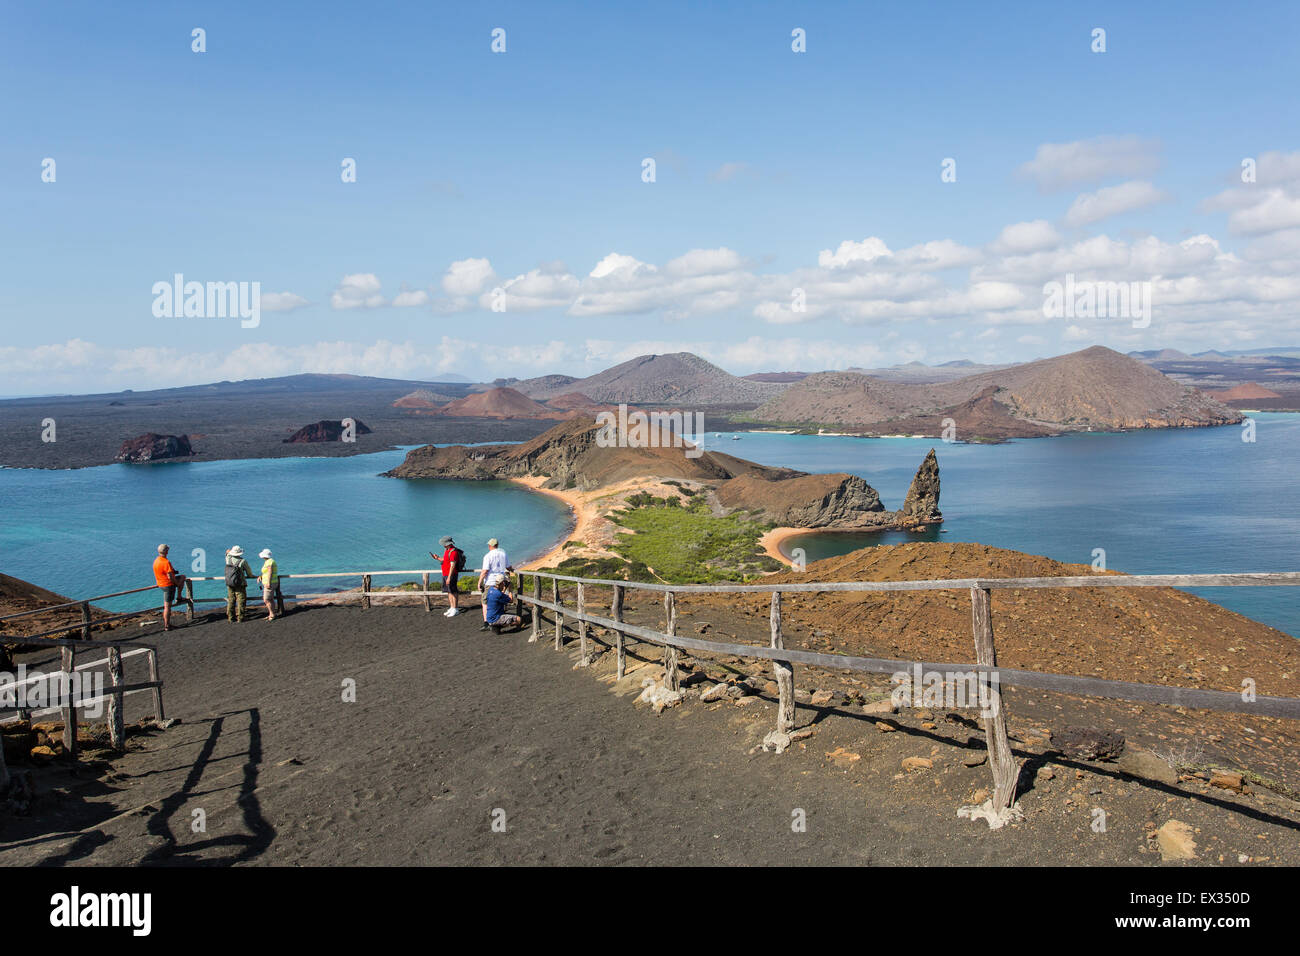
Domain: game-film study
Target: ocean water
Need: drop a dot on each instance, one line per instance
(1171, 501)
(1179, 500)
(96, 530)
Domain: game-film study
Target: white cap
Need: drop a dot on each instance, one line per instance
(266, 553)
(162, 548)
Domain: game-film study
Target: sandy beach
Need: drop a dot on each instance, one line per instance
(772, 542)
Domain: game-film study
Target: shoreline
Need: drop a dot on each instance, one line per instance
(581, 520)
(772, 541)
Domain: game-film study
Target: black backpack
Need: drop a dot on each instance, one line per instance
(459, 560)
(235, 576)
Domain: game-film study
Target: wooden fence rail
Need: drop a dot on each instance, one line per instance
(985, 669)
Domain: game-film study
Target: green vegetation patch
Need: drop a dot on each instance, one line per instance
(687, 544)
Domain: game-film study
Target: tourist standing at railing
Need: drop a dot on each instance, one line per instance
(237, 574)
(453, 562)
(270, 581)
(170, 581)
(494, 572)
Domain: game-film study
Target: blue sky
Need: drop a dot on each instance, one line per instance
(775, 170)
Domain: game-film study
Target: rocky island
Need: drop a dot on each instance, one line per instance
(605, 485)
(323, 431)
(154, 447)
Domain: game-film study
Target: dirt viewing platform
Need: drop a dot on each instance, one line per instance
(453, 728)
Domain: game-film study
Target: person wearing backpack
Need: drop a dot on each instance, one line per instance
(238, 572)
(453, 562)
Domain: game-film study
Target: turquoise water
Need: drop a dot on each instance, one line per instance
(95, 530)
(1180, 500)
(1175, 500)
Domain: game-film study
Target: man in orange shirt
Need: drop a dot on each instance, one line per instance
(171, 583)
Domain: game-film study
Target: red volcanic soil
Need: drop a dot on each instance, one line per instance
(498, 403)
(1247, 391)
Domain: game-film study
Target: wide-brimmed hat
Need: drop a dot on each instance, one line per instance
(493, 542)
(237, 551)
(446, 541)
(266, 553)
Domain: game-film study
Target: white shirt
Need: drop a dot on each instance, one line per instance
(495, 562)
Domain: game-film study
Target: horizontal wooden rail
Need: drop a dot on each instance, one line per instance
(1037, 680)
(1275, 579)
(60, 607)
(47, 675)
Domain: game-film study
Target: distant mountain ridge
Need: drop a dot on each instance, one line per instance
(1093, 388)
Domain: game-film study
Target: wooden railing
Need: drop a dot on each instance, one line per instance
(1001, 762)
(117, 652)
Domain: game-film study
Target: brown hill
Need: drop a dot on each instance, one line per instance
(982, 418)
(1094, 388)
(423, 399)
(1243, 392)
(17, 596)
(574, 401)
(497, 403)
(680, 378)
(1161, 635)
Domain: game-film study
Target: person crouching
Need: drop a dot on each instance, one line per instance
(495, 602)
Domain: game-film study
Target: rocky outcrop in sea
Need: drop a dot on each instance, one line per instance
(155, 447)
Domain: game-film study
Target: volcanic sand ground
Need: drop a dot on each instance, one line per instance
(450, 724)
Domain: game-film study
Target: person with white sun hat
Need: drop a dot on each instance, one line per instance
(270, 581)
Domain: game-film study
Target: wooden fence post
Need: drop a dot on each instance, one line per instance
(428, 598)
(559, 618)
(783, 671)
(582, 626)
(69, 711)
(189, 601)
(616, 611)
(365, 590)
(1006, 772)
(672, 680)
(116, 730)
(157, 691)
(537, 611)
(85, 620)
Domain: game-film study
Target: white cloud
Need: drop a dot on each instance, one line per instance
(360, 290)
(1020, 237)
(849, 252)
(468, 277)
(1061, 165)
(1111, 201)
(410, 297)
(282, 302)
